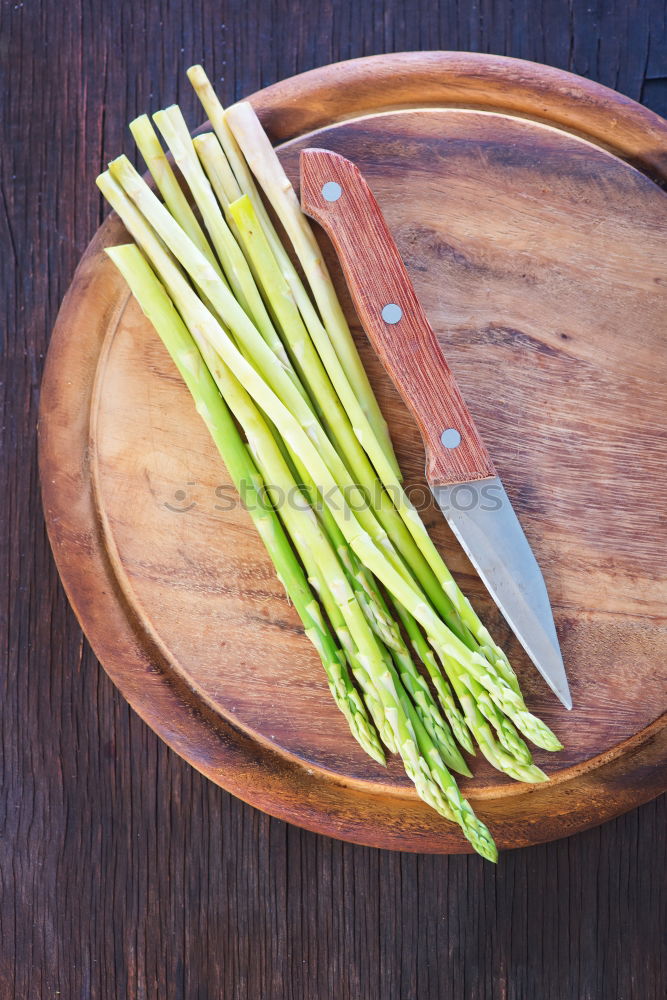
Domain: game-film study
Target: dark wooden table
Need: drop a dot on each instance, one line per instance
(123, 872)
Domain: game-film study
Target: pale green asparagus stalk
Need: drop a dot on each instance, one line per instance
(416, 686)
(429, 714)
(507, 735)
(221, 178)
(510, 739)
(334, 321)
(276, 185)
(435, 784)
(216, 116)
(335, 616)
(204, 328)
(443, 689)
(161, 171)
(156, 305)
(217, 168)
(325, 569)
(322, 588)
(345, 692)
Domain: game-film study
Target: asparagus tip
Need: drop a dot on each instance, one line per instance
(488, 851)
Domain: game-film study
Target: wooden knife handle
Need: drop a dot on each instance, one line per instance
(334, 193)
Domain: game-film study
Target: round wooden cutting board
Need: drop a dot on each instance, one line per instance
(527, 205)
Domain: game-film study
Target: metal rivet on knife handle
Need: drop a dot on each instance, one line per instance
(392, 313)
(331, 191)
(450, 437)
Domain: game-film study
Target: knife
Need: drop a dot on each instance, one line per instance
(459, 469)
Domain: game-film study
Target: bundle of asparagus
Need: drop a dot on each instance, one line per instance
(274, 373)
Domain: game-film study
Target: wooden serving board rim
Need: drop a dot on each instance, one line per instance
(466, 80)
(91, 575)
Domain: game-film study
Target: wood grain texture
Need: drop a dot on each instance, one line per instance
(124, 872)
(204, 641)
(376, 277)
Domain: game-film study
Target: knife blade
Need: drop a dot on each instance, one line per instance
(459, 469)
